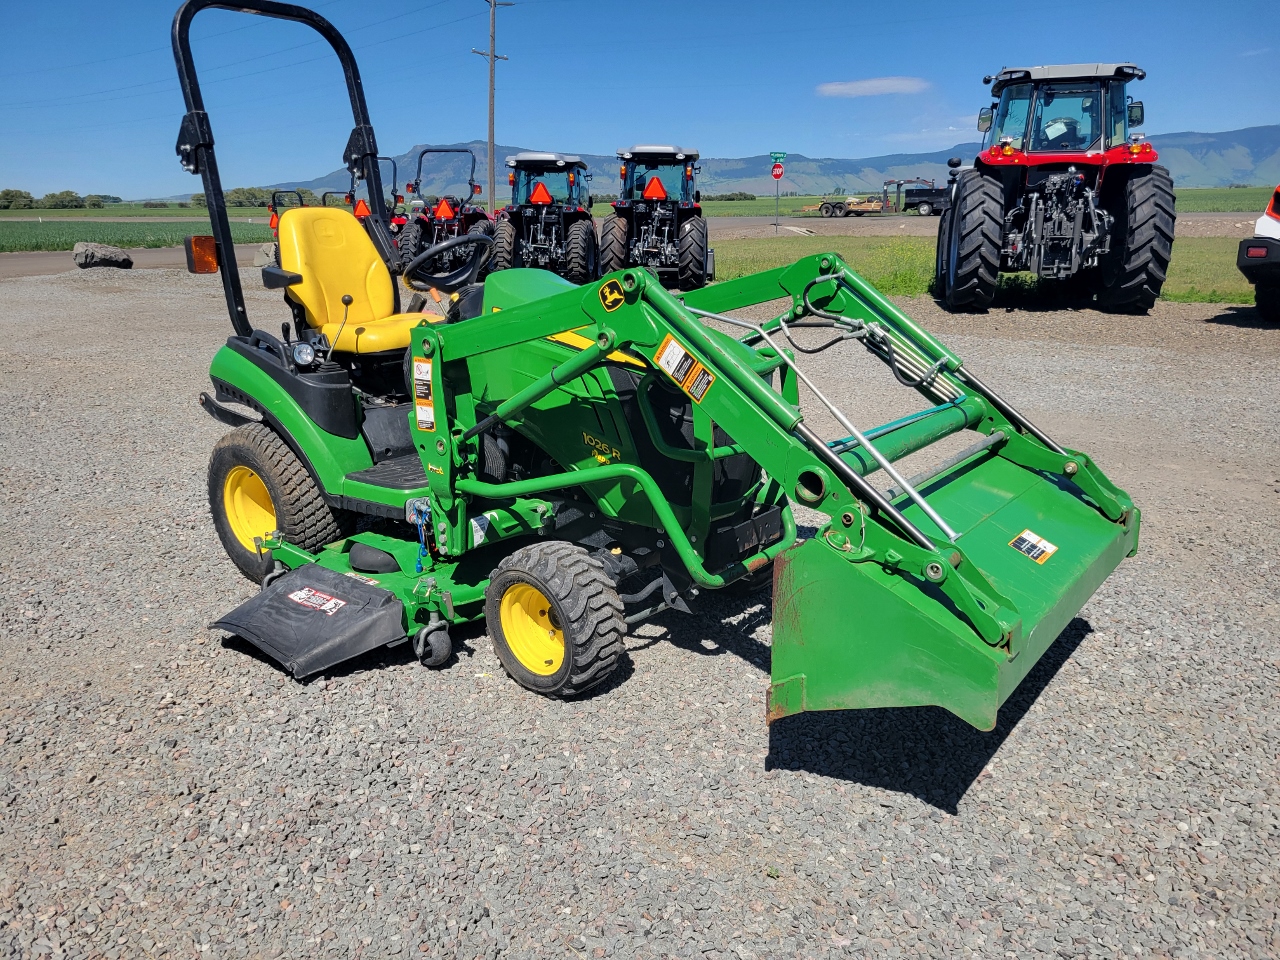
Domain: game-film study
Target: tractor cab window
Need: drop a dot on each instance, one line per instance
(1117, 115)
(1011, 116)
(669, 175)
(1067, 117)
(555, 183)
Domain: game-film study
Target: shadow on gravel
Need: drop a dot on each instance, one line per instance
(1239, 315)
(924, 751)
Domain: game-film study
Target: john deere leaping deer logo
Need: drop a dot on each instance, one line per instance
(611, 296)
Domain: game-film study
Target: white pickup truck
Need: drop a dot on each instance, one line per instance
(1259, 261)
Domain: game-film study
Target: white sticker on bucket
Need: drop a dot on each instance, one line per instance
(1037, 548)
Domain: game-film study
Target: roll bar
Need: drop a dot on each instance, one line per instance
(195, 137)
(471, 177)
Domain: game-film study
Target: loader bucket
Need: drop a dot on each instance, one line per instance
(852, 634)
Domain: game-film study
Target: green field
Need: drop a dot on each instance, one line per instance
(64, 234)
(126, 210)
(1224, 200)
(1203, 268)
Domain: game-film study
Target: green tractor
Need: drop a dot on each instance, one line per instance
(566, 461)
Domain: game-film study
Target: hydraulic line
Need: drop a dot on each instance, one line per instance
(844, 421)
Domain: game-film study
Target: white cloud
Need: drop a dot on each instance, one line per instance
(1255, 53)
(874, 87)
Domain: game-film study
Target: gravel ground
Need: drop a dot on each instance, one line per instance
(163, 793)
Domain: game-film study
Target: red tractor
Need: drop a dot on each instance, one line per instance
(1061, 189)
(434, 219)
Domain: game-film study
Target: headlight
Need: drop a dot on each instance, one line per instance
(304, 355)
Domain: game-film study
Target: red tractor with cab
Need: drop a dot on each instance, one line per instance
(1062, 189)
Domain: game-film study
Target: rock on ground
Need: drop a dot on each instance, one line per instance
(163, 794)
(100, 255)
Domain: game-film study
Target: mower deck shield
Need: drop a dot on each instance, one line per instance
(1035, 538)
(313, 618)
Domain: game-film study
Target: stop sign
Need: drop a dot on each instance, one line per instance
(776, 172)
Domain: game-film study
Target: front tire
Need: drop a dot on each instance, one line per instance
(581, 260)
(614, 244)
(692, 272)
(257, 485)
(506, 247)
(826, 210)
(555, 618)
(973, 246)
(925, 209)
(1141, 244)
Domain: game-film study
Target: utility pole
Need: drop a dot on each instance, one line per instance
(493, 58)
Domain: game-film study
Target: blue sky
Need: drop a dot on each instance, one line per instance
(89, 98)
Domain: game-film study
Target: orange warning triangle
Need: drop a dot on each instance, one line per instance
(274, 221)
(443, 210)
(540, 193)
(654, 190)
(362, 208)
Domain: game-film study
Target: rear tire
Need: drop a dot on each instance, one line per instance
(615, 245)
(840, 210)
(485, 228)
(973, 246)
(255, 480)
(409, 242)
(826, 210)
(506, 247)
(555, 618)
(940, 255)
(692, 272)
(581, 260)
(1266, 298)
(1141, 244)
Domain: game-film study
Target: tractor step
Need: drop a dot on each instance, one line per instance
(398, 473)
(313, 618)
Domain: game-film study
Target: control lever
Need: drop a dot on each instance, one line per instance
(347, 300)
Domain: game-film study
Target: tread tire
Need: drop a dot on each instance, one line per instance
(588, 605)
(484, 227)
(1141, 243)
(409, 242)
(1266, 299)
(973, 245)
(581, 261)
(615, 244)
(692, 271)
(506, 253)
(940, 255)
(302, 514)
(827, 210)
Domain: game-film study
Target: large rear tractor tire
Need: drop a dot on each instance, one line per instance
(581, 255)
(555, 618)
(692, 272)
(506, 248)
(976, 226)
(614, 244)
(940, 255)
(258, 485)
(1266, 298)
(1130, 278)
(484, 228)
(409, 242)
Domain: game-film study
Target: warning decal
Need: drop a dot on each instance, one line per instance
(423, 407)
(693, 378)
(1037, 548)
(315, 600)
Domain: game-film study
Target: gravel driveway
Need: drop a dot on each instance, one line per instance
(165, 794)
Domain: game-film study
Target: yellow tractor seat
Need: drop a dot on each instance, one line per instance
(329, 249)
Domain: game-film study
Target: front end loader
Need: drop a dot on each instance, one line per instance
(565, 461)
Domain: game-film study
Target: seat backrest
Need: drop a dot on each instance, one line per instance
(330, 250)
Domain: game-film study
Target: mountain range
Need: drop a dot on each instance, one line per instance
(1251, 156)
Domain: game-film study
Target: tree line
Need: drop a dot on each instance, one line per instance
(62, 200)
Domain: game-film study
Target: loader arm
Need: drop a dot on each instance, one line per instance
(962, 608)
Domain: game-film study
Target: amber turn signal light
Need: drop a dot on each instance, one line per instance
(202, 254)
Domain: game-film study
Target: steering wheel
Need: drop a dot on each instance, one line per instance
(417, 279)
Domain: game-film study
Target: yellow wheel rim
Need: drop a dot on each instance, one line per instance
(531, 630)
(248, 506)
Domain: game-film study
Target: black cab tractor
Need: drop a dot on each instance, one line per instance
(1061, 189)
(548, 223)
(433, 219)
(657, 219)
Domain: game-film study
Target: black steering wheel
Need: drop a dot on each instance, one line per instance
(418, 279)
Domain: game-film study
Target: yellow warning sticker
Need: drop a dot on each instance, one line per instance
(1037, 548)
(693, 378)
(423, 408)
